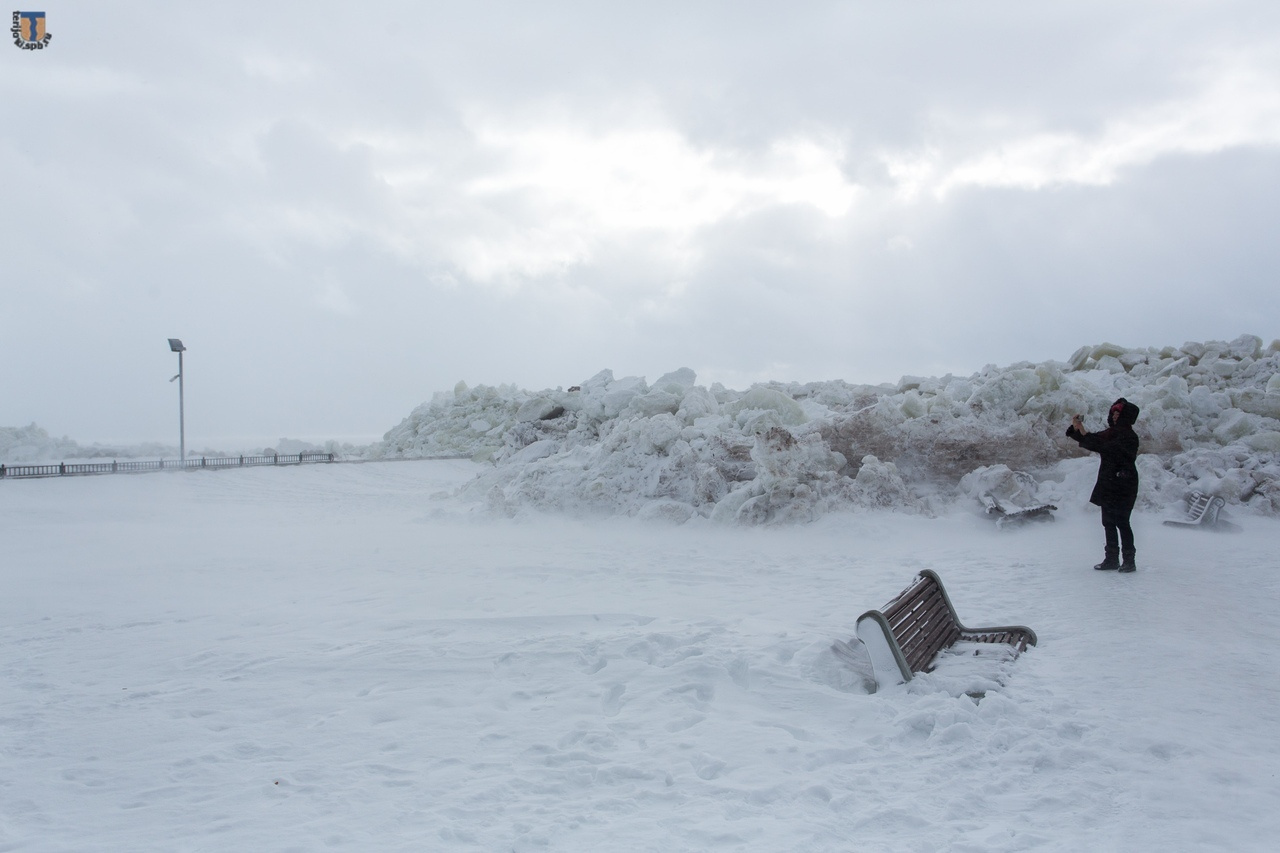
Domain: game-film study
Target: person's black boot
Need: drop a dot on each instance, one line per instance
(1110, 562)
(1128, 565)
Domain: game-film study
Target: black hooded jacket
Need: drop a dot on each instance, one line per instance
(1118, 446)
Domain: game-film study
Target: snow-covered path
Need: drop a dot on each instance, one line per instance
(330, 657)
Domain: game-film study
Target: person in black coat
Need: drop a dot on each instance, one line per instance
(1117, 486)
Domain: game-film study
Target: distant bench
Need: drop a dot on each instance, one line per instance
(1202, 511)
(906, 636)
(1012, 516)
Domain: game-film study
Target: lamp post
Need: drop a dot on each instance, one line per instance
(176, 346)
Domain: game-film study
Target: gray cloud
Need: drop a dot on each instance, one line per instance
(343, 210)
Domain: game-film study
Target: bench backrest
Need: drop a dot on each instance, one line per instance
(922, 621)
(1207, 508)
(1203, 509)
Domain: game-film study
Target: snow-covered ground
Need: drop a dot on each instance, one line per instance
(351, 657)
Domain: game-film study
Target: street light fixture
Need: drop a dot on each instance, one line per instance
(175, 345)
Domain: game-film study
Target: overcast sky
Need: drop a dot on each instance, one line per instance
(343, 208)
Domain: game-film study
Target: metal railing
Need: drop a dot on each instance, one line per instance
(65, 469)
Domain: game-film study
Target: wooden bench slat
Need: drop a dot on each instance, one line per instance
(928, 637)
(944, 636)
(925, 646)
(907, 599)
(926, 599)
(917, 633)
(930, 605)
(930, 612)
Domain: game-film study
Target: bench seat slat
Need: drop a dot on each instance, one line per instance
(1018, 638)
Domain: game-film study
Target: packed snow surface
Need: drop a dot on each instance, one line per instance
(349, 657)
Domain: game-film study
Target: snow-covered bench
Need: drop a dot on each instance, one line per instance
(906, 636)
(1012, 516)
(1202, 511)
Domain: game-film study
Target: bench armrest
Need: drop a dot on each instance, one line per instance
(1018, 636)
(973, 633)
(887, 660)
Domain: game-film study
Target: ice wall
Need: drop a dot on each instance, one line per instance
(791, 452)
